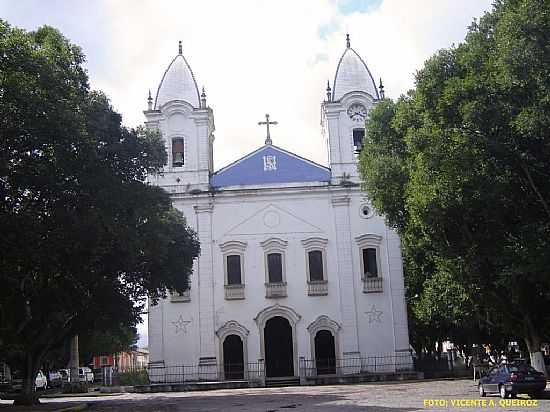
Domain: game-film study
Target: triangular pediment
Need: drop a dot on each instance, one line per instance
(272, 220)
(270, 165)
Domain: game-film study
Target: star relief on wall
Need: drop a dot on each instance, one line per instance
(374, 315)
(181, 325)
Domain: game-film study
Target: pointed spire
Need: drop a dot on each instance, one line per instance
(149, 101)
(381, 88)
(179, 48)
(203, 98)
(347, 41)
(328, 91)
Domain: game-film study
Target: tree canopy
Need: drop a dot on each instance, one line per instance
(84, 238)
(460, 167)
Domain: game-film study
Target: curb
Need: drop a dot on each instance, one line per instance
(75, 408)
(78, 395)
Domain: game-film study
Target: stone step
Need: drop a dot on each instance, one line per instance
(282, 381)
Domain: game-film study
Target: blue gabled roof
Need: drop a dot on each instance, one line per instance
(252, 170)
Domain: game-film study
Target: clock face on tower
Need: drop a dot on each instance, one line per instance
(357, 112)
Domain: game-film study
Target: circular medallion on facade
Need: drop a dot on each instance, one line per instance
(366, 211)
(272, 219)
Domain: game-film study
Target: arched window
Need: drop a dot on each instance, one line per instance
(316, 266)
(233, 263)
(358, 136)
(275, 276)
(371, 269)
(177, 152)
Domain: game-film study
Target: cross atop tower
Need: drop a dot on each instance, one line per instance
(267, 123)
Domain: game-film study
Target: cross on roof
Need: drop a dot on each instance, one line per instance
(267, 123)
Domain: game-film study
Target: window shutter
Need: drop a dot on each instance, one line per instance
(369, 263)
(315, 260)
(234, 270)
(275, 267)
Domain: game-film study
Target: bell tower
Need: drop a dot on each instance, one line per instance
(345, 111)
(186, 123)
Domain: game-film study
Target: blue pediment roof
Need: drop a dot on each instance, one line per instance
(267, 165)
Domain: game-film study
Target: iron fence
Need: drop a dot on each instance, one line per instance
(357, 365)
(255, 371)
(209, 373)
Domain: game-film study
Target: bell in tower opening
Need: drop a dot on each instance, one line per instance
(358, 136)
(177, 152)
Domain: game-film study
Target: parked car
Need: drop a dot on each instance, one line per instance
(55, 379)
(511, 379)
(85, 374)
(41, 382)
(65, 375)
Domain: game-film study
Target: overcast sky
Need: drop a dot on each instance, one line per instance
(252, 56)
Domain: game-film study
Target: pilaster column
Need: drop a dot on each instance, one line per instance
(205, 279)
(346, 276)
(334, 142)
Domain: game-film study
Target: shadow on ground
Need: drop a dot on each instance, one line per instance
(269, 402)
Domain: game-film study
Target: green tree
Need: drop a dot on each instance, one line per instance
(84, 238)
(465, 157)
(107, 342)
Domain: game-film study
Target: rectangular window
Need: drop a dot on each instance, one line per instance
(234, 270)
(315, 261)
(177, 152)
(369, 263)
(275, 267)
(358, 135)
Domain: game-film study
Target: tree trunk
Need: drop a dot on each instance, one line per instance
(533, 342)
(28, 394)
(74, 361)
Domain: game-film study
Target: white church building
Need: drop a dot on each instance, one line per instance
(297, 275)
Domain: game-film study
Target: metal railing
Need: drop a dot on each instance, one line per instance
(234, 292)
(181, 297)
(275, 290)
(373, 284)
(317, 287)
(357, 365)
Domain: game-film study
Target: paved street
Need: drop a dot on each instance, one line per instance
(390, 397)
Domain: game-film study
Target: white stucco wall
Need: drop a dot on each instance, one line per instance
(240, 215)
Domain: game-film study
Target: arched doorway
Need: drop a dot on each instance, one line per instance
(233, 357)
(325, 353)
(279, 348)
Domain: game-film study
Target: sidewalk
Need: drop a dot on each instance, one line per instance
(46, 407)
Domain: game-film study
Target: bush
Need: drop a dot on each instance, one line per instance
(138, 377)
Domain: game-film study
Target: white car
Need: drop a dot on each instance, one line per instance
(86, 375)
(41, 382)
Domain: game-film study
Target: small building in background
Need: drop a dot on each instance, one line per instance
(123, 361)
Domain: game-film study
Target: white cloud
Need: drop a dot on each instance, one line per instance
(264, 56)
(253, 56)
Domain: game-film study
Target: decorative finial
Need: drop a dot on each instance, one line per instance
(347, 41)
(267, 123)
(180, 50)
(381, 88)
(328, 91)
(149, 101)
(203, 98)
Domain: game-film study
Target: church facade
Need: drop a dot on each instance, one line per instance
(296, 268)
